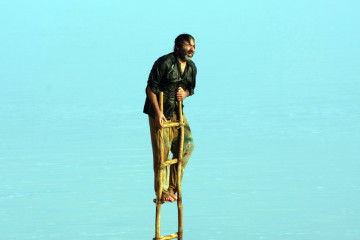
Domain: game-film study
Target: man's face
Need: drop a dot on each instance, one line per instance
(186, 52)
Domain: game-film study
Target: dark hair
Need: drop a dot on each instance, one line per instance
(179, 40)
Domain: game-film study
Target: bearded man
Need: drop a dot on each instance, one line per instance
(173, 74)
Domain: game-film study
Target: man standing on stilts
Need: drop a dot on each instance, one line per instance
(173, 74)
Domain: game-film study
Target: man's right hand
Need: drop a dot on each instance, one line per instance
(159, 119)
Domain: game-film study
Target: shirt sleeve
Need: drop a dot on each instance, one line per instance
(191, 87)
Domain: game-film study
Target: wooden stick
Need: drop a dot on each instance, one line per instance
(170, 162)
(179, 167)
(161, 100)
(159, 175)
(168, 237)
(179, 202)
(161, 144)
(171, 124)
(181, 120)
(157, 224)
(162, 201)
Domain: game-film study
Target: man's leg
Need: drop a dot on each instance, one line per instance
(155, 137)
(188, 149)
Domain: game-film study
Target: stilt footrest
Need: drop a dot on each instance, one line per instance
(167, 237)
(169, 162)
(173, 124)
(165, 201)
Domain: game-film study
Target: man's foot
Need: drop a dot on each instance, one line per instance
(173, 195)
(168, 198)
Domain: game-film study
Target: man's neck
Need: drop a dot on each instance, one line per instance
(182, 62)
(182, 65)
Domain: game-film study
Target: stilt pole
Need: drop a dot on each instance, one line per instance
(159, 175)
(179, 170)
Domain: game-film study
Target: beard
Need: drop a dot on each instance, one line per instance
(185, 55)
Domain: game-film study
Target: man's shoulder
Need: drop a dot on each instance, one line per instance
(192, 64)
(166, 59)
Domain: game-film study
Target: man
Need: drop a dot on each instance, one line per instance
(173, 74)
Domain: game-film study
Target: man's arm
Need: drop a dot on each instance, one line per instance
(159, 116)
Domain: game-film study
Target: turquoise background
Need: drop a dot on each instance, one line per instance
(275, 119)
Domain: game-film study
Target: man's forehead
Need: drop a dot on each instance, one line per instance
(192, 41)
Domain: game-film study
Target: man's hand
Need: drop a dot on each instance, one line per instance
(181, 94)
(159, 119)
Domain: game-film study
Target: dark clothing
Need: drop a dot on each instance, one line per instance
(165, 76)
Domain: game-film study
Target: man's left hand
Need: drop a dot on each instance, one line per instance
(181, 94)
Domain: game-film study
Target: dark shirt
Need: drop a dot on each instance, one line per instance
(165, 76)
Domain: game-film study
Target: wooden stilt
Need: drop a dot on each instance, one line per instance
(159, 175)
(163, 164)
(179, 169)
